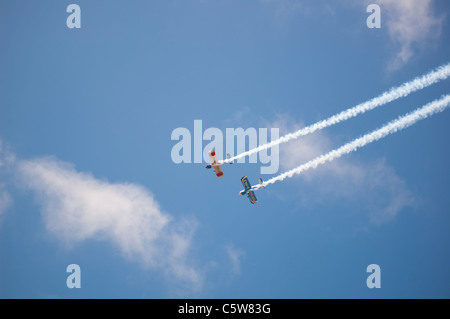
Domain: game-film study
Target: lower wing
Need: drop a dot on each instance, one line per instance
(218, 171)
(252, 197)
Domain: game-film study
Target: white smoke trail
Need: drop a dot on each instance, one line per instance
(418, 83)
(390, 128)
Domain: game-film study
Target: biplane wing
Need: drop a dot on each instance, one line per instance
(248, 190)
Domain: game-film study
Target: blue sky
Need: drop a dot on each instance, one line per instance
(87, 178)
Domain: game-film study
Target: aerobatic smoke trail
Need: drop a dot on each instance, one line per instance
(418, 83)
(390, 128)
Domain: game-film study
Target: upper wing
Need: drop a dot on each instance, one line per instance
(252, 197)
(246, 183)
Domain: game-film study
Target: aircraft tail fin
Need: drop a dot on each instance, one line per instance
(228, 157)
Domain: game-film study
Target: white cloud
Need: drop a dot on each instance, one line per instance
(7, 158)
(374, 187)
(76, 207)
(235, 258)
(411, 25)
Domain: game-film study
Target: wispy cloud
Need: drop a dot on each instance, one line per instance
(412, 25)
(235, 256)
(76, 206)
(374, 187)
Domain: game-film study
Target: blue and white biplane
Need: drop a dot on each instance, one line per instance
(249, 189)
